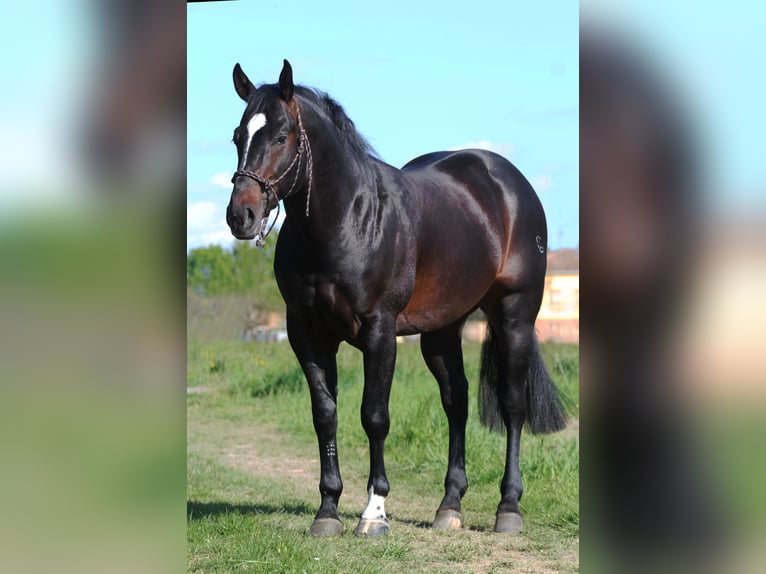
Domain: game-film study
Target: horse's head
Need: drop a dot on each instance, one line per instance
(270, 142)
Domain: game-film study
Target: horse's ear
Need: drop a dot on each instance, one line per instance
(286, 87)
(242, 83)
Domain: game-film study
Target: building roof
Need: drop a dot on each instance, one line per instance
(564, 260)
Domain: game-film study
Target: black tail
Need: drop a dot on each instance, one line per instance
(545, 413)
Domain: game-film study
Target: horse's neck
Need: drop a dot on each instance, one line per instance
(335, 184)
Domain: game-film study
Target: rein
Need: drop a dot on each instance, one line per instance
(268, 185)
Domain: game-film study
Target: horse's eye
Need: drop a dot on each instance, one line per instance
(282, 139)
(235, 137)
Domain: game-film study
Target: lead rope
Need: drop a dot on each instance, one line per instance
(261, 241)
(310, 165)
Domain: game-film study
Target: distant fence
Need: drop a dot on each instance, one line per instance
(557, 330)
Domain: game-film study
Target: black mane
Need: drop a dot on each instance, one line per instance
(354, 142)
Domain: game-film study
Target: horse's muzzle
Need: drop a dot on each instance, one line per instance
(245, 220)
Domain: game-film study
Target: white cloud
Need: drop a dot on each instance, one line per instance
(542, 183)
(221, 179)
(206, 224)
(223, 238)
(501, 148)
(203, 215)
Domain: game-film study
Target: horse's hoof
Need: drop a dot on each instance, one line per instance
(508, 522)
(448, 519)
(326, 527)
(372, 528)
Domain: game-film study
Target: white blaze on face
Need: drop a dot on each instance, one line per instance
(375, 507)
(253, 125)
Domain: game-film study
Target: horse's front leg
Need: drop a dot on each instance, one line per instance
(378, 344)
(317, 358)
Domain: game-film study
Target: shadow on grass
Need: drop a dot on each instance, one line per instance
(196, 510)
(411, 522)
(428, 525)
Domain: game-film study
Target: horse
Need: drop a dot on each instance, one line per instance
(368, 252)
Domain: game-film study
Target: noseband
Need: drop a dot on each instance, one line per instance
(269, 186)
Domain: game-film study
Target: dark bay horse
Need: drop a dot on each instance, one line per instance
(368, 252)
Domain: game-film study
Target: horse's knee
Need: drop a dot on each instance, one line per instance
(375, 421)
(325, 420)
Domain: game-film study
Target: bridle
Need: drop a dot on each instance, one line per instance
(268, 186)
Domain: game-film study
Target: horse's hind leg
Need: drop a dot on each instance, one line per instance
(513, 321)
(444, 356)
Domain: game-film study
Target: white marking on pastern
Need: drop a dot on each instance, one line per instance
(375, 507)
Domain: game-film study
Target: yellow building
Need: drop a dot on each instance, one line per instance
(559, 317)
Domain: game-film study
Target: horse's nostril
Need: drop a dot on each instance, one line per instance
(249, 217)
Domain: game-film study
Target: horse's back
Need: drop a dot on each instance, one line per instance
(486, 176)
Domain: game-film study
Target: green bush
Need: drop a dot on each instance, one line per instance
(242, 270)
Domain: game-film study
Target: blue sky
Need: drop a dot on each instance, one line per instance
(414, 77)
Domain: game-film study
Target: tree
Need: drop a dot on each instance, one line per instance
(242, 270)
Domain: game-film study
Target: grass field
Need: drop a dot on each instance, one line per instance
(253, 471)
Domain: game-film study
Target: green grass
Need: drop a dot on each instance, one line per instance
(253, 471)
